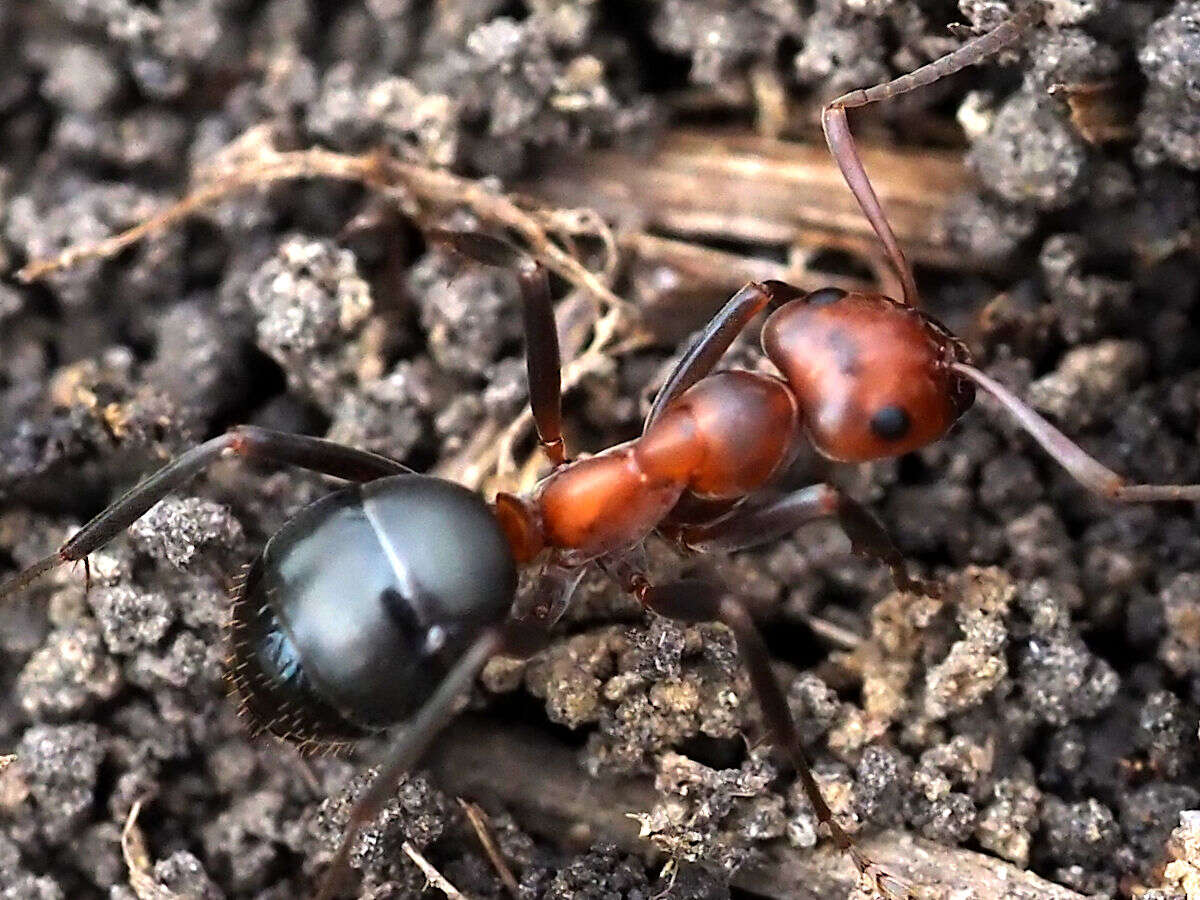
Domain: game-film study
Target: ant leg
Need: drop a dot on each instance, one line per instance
(1086, 470)
(695, 600)
(410, 746)
(549, 595)
(841, 142)
(542, 359)
(247, 441)
(748, 528)
(718, 334)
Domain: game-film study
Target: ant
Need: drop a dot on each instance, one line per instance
(380, 603)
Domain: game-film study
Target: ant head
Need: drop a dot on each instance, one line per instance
(360, 605)
(873, 377)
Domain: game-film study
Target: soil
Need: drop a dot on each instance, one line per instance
(1043, 712)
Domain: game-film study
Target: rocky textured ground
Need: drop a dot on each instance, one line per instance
(1044, 712)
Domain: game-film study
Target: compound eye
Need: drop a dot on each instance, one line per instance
(824, 296)
(890, 423)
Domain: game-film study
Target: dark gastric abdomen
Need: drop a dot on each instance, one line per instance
(362, 602)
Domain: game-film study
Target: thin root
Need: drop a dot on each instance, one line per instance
(270, 167)
(251, 162)
(429, 188)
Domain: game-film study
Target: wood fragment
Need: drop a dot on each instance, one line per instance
(14, 788)
(542, 783)
(678, 284)
(1103, 112)
(736, 186)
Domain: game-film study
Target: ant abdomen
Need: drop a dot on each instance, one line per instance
(872, 376)
(358, 607)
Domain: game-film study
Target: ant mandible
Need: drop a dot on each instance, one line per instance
(380, 603)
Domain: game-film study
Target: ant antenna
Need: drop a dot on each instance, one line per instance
(1088, 471)
(841, 142)
(29, 575)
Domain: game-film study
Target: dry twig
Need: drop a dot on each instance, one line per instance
(479, 821)
(433, 876)
(137, 859)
